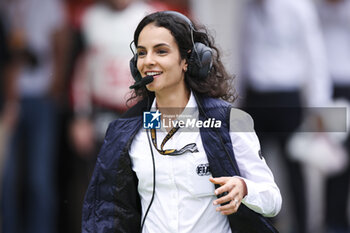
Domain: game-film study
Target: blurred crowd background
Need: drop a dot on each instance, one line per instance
(64, 75)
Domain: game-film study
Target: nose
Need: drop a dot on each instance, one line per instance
(149, 59)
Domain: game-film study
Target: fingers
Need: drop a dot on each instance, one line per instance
(227, 198)
(229, 208)
(227, 184)
(235, 189)
(219, 180)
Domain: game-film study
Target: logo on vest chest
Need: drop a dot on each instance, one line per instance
(203, 169)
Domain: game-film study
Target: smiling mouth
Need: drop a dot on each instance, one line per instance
(153, 73)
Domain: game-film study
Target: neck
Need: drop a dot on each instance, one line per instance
(173, 102)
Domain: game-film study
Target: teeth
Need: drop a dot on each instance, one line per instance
(153, 73)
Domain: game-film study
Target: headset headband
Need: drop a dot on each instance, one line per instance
(181, 16)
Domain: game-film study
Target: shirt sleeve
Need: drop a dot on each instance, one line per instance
(263, 195)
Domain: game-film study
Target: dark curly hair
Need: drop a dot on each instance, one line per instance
(218, 84)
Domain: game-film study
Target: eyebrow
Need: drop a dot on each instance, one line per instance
(156, 46)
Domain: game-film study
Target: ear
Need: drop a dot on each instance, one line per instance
(185, 67)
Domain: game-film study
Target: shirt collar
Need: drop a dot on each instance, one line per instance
(190, 104)
(190, 111)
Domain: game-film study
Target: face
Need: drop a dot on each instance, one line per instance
(158, 55)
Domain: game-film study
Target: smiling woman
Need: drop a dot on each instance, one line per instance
(159, 56)
(180, 178)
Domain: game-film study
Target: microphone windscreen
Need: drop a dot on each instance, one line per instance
(146, 80)
(143, 82)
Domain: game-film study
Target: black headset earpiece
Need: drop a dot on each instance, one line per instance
(133, 68)
(199, 59)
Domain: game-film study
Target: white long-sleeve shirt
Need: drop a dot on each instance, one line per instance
(335, 21)
(282, 49)
(183, 199)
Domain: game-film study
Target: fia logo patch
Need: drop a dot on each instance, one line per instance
(151, 120)
(203, 169)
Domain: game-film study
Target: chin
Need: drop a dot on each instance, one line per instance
(154, 86)
(151, 87)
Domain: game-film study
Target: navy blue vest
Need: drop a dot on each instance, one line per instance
(112, 203)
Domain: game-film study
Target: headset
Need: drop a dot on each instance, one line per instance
(200, 59)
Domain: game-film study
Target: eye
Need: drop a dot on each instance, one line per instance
(162, 51)
(141, 53)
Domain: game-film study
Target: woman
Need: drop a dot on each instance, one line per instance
(159, 180)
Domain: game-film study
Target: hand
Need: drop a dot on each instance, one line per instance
(236, 190)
